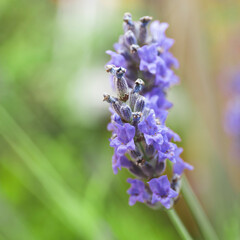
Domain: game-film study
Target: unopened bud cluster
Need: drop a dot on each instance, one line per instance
(141, 73)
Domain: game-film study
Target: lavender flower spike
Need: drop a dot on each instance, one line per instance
(141, 73)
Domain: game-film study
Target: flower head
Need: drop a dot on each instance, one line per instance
(141, 73)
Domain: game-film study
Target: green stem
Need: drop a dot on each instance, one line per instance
(197, 211)
(178, 225)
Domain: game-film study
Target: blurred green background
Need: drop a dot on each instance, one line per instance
(56, 180)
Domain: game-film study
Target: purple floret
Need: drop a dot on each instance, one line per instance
(159, 104)
(124, 140)
(137, 192)
(148, 55)
(162, 191)
(151, 131)
(167, 80)
(158, 33)
(180, 165)
(170, 60)
(116, 59)
(120, 161)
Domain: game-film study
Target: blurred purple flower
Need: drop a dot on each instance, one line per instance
(232, 118)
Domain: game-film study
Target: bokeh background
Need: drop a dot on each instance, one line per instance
(56, 180)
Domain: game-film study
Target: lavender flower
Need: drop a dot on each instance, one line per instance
(151, 131)
(124, 139)
(137, 192)
(180, 165)
(162, 192)
(141, 74)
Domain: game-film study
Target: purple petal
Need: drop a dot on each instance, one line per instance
(172, 193)
(158, 30)
(115, 142)
(180, 165)
(148, 53)
(166, 202)
(130, 130)
(116, 59)
(131, 145)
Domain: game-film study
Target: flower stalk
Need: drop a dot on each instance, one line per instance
(176, 221)
(197, 211)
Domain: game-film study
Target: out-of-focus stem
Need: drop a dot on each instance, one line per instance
(183, 232)
(197, 211)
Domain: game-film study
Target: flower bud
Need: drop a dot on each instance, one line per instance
(114, 103)
(120, 82)
(136, 116)
(117, 107)
(176, 183)
(119, 72)
(110, 68)
(150, 150)
(145, 20)
(128, 23)
(140, 104)
(139, 83)
(122, 89)
(134, 48)
(160, 168)
(127, 18)
(136, 155)
(126, 113)
(130, 38)
(132, 99)
(143, 29)
(108, 98)
(148, 169)
(137, 171)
